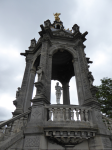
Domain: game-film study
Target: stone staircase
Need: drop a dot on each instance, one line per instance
(12, 130)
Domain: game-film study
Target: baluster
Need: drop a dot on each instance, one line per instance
(55, 114)
(72, 114)
(50, 114)
(87, 115)
(67, 114)
(61, 114)
(58, 114)
(77, 114)
(82, 114)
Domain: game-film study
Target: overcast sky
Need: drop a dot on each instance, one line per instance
(20, 22)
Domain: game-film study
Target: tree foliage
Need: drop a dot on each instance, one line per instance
(104, 96)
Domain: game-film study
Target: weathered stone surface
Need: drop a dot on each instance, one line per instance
(10, 141)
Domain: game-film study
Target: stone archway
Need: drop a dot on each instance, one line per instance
(62, 70)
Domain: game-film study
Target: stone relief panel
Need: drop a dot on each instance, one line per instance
(36, 114)
(33, 141)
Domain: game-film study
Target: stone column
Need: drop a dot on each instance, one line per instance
(49, 74)
(46, 67)
(66, 97)
(81, 73)
(30, 86)
(23, 101)
(78, 81)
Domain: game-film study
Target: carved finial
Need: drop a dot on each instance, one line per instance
(56, 15)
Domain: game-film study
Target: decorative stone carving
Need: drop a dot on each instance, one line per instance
(91, 79)
(68, 138)
(17, 96)
(58, 92)
(39, 72)
(94, 90)
(62, 33)
(40, 89)
(75, 28)
(47, 23)
(33, 43)
(18, 92)
(36, 114)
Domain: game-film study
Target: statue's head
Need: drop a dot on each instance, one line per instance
(19, 88)
(57, 83)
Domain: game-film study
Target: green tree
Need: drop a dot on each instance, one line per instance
(104, 96)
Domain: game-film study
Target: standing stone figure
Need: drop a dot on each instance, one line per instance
(18, 92)
(58, 92)
(91, 79)
(39, 72)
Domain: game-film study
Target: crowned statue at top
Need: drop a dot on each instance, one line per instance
(56, 15)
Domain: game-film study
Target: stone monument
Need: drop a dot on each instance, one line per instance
(59, 54)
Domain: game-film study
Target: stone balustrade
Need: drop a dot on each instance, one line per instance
(12, 126)
(68, 113)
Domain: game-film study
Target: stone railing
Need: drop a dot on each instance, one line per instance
(68, 113)
(13, 125)
(108, 122)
